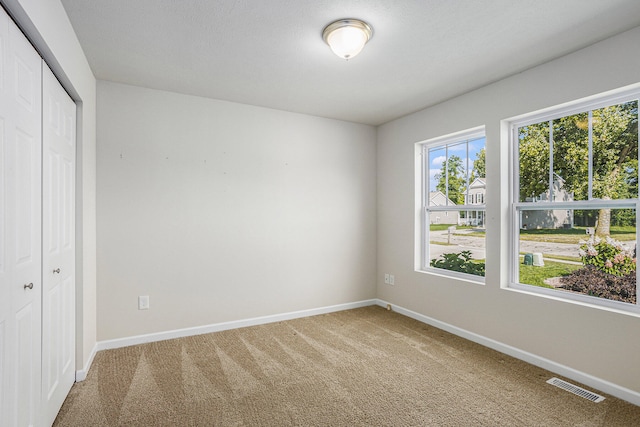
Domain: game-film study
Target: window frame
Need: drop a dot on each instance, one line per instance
(516, 206)
(425, 209)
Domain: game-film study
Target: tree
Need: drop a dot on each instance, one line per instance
(453, 181)
(614, 151)
(479, 166)
(615, 154)
(534, 160)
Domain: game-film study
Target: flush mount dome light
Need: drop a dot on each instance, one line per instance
(347, 37)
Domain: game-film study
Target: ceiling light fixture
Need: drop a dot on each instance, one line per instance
(347, 37)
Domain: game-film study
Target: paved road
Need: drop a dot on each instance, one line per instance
(460, 242)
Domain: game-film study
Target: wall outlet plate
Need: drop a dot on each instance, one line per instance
(143, 302)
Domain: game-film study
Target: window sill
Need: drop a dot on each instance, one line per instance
(463, 277)
(577, 299)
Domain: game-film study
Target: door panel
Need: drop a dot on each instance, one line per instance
(26, 87)
(67, 239)
(68, 328)
(3, 191)
(52, 330)
(58, 196)
(51, 202)
(5, 379)
(27, 183)
(27, 355)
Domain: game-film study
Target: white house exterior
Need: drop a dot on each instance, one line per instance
(475, 195)
(437, 198)
(557, 218)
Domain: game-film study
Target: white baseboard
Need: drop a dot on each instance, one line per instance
(557, 368)
(81, 375)
(217, 327)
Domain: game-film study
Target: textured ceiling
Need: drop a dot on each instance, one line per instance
(270, 52)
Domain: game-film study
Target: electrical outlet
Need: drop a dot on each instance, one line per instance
(386, 278)
(392, 279)
(143, 302)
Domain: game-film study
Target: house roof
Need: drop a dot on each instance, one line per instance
(478, 183)
(438, 198)
(271, 53)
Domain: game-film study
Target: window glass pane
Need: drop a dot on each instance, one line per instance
(533, 155)
(615, 151)
(458, 168)
(457, 241)
(477, 159)
(559, 249)
(436, 166)
(451, 177)
(570, 158)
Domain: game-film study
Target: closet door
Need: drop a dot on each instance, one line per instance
(20, 225)
(58, 244)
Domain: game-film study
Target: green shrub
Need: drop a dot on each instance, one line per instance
(607, 255)
(461, 262)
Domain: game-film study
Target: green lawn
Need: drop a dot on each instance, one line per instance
(554, 257)
(444, 227)
(532, 275)
(574, 235)
(433, 242)
(552, 235)
(475, 234)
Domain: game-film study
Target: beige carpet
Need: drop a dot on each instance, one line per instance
(363, 367)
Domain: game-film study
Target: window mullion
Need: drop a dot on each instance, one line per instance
(551, 195)
(466, 196)
(590, 167)
(425, 177)
(635, 252)
(446, 173)
(515, 165)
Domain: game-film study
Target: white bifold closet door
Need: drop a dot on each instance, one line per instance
(58, 244)
(20, 225)
(37, 175)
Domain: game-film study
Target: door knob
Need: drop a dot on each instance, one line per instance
(30, 286)
(57, 270)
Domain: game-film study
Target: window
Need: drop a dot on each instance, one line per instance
(575, 202)
(453, 210)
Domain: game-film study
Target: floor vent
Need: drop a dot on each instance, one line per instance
(578, 391)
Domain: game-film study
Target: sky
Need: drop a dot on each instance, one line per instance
(466, 150)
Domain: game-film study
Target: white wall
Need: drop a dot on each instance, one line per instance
(599, 343)
(221, 211)
(46, 24)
